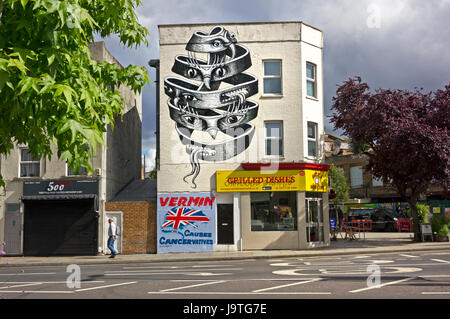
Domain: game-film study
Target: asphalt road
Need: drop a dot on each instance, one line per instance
(399, 275)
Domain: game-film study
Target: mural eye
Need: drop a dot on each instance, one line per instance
(189, 97)
(192, 73)
(233, 119)
(220, 72)
(217, 43)
(191, 120)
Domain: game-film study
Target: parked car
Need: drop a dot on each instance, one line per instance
(379, 219)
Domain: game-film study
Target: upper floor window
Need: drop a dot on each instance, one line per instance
(273, 138)
(272, 77)
(356, 176)
(311, 75)
(312, 139)
(29, 166)
(377, 181)
(81, 172)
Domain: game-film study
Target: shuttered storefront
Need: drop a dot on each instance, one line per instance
(60, 227)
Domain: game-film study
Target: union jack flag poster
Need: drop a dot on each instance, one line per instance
(186, 222)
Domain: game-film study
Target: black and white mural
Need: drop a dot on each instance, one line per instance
(210, 105)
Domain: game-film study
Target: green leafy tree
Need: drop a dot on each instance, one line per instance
(338, 183)
(52, 91)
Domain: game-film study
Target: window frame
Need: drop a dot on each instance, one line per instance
(362, 177)
(310, 139)
(313, 80)
(273, 77)
(38, 162)
(280, 138)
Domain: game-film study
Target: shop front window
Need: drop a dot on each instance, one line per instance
(274, 211)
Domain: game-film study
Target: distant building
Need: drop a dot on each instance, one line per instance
(46, 209)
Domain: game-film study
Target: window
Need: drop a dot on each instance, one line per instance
(272, 77)
(81, 172)
(311, 79)
(29, 166)
(312, 139)
(273, 138)
(356, 176)
(273, 211)
(377, 181)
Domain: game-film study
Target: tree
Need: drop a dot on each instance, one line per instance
(51, 91)
(408, 134)
(338, 183)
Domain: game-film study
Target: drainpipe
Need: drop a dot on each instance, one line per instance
(155, 64)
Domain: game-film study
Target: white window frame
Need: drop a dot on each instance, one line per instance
(313, 80)
(28, 162)
(310, 139)
(281, 154)
(273, 77)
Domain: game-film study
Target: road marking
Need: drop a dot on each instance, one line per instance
(192, 286)
(436, 293)
(108, 286)
(382, 285)
(170, 273)
(362, 256)
(441, 261)
(27, 274)
(37, 292)
(158, 271)
(238, 293)
(434, 276)
(410, 256)
(24, 285)
(288, 285)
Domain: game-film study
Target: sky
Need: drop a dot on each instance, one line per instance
(399, 44)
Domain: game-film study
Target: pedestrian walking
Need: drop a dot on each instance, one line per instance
(112, 234)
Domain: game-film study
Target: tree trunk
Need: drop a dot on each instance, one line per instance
(416, 220)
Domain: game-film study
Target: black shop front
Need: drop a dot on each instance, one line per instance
(60, 217)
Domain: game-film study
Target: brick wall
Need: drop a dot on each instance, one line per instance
(139, 226)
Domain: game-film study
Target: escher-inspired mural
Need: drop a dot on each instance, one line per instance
(212, 114)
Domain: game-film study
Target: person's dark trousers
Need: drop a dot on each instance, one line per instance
(111, 246)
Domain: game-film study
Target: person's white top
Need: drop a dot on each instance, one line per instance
(112, 229)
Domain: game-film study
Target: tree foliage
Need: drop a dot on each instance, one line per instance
(338, 183)
(52, 91)
(408, 134)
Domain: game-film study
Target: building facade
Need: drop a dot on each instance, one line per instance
(45, 209)
(241, 113)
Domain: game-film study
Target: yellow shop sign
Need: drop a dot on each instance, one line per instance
(272, 181)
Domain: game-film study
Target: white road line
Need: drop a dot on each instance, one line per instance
(436, 293)
(158, 271)
(192, 286)
(410, 256)
(24, 285)
(108, 286)
(238, 293)
(441, 261)
(287, 285)
(382, 285)
(434, 276)
(193, 273)
(27, 274)
(37, 292)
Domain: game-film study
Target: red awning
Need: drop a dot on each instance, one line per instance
(285, 166)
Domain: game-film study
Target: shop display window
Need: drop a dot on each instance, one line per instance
(273, 211)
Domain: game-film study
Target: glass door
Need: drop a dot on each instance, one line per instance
(314, 220)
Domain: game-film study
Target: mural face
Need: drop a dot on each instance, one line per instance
(216, 103)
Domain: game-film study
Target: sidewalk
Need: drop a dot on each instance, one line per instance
(365, 244)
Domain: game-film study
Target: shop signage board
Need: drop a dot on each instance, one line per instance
(272, 181)
(60, 187)
(186, 222)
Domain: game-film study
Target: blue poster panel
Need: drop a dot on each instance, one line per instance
(186, 222)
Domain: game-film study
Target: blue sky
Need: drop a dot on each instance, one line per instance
(391, 44)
